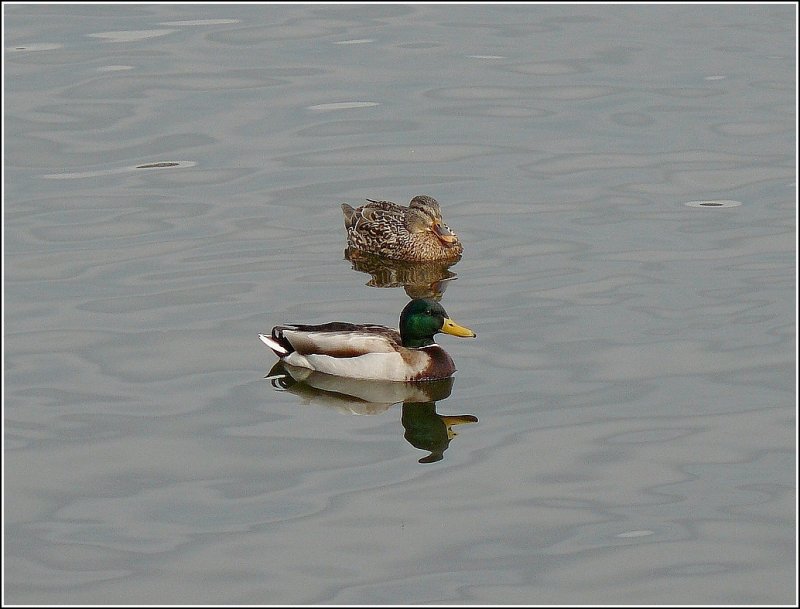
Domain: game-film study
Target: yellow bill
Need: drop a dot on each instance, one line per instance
(451, 327)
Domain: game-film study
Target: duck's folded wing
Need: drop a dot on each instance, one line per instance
(381, 213)
(383, 205)
(341, 339)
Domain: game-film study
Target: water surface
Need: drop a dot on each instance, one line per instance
(172, 187)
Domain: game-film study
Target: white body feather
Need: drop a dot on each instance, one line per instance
(269, 342)
(387, 366)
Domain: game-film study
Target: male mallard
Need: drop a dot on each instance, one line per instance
(413, 233)
(368, 351)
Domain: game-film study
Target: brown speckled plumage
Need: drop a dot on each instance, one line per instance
(413, 233)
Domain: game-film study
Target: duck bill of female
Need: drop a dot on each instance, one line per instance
(444, 234)
(451, 327)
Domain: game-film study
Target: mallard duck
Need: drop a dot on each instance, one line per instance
(413, 233)
(369, 351)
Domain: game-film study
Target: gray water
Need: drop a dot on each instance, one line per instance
(172, 187)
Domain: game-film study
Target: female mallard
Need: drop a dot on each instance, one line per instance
(413, 233)
(368, 351)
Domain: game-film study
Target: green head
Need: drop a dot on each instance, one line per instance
(422, 318)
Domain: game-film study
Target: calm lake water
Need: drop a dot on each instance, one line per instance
(172, 187)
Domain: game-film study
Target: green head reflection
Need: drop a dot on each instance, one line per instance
(428, 430)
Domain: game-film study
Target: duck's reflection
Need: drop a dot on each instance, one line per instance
(419, 279)
(428, 430)
(425, 428)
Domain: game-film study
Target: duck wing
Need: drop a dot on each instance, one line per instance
(375, 216)
(337, 339)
